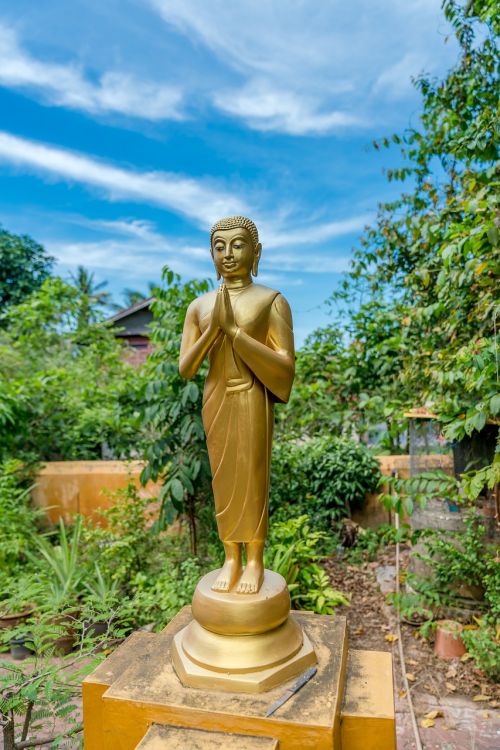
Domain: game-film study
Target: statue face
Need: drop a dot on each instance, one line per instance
(233, 252)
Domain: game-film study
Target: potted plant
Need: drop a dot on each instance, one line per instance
(60, 582)
(100, 604)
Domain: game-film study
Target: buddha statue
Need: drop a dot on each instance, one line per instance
(245, 329)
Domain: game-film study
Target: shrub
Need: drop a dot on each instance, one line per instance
(18, 518)
(483, 644)
(293, 552)
(326, 477)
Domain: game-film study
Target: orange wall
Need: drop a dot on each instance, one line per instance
(64, 488)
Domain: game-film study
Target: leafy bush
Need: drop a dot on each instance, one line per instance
(123, 545)
(461, 557)
(483, 643)
(455, 558)
(293, 553)
(326, 478)
(65, 391)
(18, 517)
(158, 598)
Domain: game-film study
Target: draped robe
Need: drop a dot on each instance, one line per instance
(246, 377)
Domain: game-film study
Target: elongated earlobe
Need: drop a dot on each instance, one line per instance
(255, 267)
(218, 275)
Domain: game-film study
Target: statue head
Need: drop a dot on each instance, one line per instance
(235, 247)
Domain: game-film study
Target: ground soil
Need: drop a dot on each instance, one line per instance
(466, 700)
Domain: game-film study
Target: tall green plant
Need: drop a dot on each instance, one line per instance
(176, 452)
(62, 563)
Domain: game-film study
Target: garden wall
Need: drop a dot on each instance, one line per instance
(64, 488)
(373, 514)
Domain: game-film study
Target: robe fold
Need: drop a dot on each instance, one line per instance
(246, 377)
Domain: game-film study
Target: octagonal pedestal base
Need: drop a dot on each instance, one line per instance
(244, 643)
(247, 681)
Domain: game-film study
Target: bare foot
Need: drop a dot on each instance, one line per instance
(251, 579)
(229, 574)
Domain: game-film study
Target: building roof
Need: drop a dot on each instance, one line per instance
(121, 314)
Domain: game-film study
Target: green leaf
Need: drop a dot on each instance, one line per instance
(495, 404)
(177, 490)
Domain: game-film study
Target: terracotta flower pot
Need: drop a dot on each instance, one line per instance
(13, 619)
(448, 643)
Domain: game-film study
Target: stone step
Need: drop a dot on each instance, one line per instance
(159, 737)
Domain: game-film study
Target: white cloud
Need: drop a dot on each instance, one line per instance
(201, 201)
(395, 80)
(124, 245)
(316, 232)
(312, 68)
(306, 262)
(69, 86)
(131, 257)
(266, 108)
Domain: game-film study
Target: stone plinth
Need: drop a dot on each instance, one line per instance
(177, 738)
(137, 687)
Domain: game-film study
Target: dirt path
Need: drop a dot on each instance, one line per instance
(446, 687)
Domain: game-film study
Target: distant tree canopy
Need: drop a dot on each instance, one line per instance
(24, 266)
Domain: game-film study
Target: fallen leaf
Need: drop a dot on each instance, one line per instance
(410, 676)
(485, 714)
(452, 672)
(427, 723)
(412, 662)
(402, 693)
(434, 714)
(494, 704)
(451, 687)
(481, 697)
(391, 637)
(466, 657)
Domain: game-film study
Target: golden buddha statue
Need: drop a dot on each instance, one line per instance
(246, 330)
(241, 636)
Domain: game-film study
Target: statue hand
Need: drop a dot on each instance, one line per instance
(227, 321)
(216, 312)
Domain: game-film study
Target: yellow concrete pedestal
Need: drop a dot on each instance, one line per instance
(135, 700)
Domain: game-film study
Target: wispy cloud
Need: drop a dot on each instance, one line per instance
(70, 86)
(114, 255)
(395, 80)
(125, 245)
(199, 200)
(316, 231)
(266, 108)
(308, 68)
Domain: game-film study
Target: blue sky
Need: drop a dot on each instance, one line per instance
(128, 126)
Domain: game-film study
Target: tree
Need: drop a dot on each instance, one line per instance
(65, 390)
(93, 298)
(176, 451)
(426, 273)
(24, 266)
